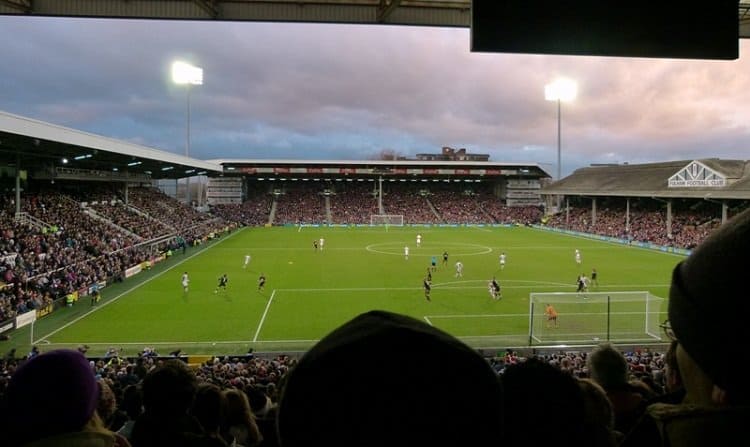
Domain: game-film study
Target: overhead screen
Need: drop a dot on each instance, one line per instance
(630, 28)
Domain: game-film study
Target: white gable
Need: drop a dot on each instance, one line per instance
(696, 174)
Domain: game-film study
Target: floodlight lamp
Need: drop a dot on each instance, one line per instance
(561, 90)
(184, 73)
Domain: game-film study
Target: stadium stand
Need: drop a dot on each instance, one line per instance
(671, 204)
(43, 264)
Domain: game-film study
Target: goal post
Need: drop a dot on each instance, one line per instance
(396, 220)
(593, 317)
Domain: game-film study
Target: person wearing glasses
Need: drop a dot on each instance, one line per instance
(709, 301)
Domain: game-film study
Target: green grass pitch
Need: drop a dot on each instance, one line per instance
(308, 293)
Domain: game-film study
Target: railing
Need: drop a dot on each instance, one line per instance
(28, 218)
(95, 215)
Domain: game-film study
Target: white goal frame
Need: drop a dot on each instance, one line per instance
(395, 220)
(594, 317)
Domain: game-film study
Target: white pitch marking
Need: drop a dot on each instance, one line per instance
(263, 318)
(128, 291)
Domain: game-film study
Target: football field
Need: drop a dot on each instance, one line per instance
(311, 291)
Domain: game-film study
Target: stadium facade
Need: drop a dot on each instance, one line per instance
(724, 182)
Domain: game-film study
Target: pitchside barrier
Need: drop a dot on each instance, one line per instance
(593, 317)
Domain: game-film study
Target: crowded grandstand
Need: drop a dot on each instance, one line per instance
(75, 235)
(74, 232)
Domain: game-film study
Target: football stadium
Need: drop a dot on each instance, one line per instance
(335, 239)
(154, 298)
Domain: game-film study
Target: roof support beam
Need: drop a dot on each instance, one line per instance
(745, 20)
(24, 6)
(209, 6)
(385, 9)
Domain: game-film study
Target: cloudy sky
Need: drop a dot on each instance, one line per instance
(311, 91)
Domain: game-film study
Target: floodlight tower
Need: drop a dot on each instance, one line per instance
(187, 75)
(560, 90)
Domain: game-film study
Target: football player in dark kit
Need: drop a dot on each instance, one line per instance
(261, 282)
(223, 280)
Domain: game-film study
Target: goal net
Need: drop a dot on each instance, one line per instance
(593, 317)
(387, 219)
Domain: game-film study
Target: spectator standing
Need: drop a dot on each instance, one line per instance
(600, 417)
(536, 391)
(168, 393)
(708, 306)
(609, 368)
(242, 430)
(345, 391)
(132, 403)
(209, 408)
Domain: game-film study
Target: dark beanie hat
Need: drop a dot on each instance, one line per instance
(709, 303)
(388, 379)
(52, 393)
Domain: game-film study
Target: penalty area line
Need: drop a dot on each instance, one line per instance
(263, 318)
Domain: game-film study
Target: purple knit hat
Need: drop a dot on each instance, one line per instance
(52, 393)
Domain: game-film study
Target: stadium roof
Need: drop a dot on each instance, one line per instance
(41, 147)
(49, 151)
(233, 161)
(731, 180)
(372, 168)
(446, 13)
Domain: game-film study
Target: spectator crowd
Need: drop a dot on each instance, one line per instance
(66, 247)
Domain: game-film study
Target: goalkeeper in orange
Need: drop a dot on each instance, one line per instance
(551, 314)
